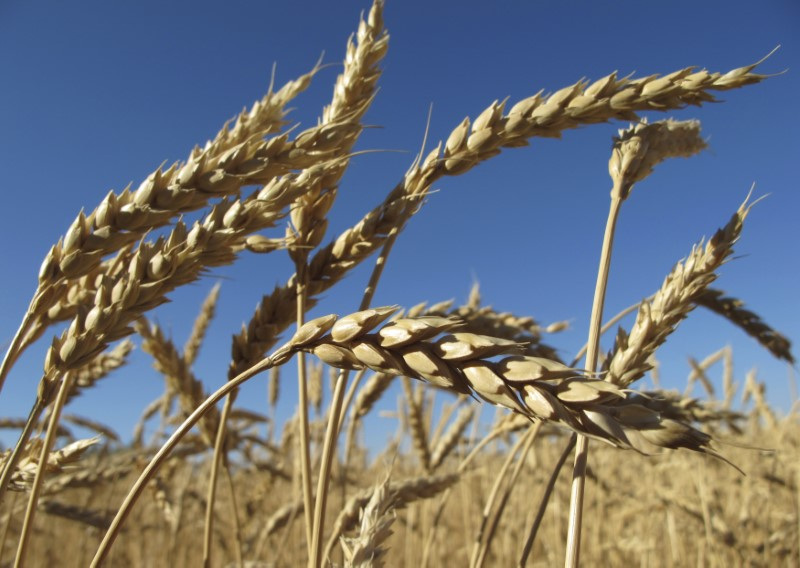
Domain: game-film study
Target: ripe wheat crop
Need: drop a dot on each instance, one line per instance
(657, 476)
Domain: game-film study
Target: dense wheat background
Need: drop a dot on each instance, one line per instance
(100, 98)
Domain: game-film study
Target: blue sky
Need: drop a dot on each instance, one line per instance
(97, 94)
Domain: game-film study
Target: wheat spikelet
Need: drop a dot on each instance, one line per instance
(58, 461)
(402, 493)
(352, 95)
(682, 408)
(235, 158)
(377, 516)
(179, 377)
(451, 437)
(642, 146)
(157, 268)
(657, 318)
(201, 322)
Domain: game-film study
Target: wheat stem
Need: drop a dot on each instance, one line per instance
(304, 439)
(216, 463)
(582, 450)
(530, 438)
(27, 525)
(501, 474)
(279, 357)
(11, 463)
(548, 491)
(328, 450)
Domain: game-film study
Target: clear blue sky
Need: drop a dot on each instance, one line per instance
(97, 94)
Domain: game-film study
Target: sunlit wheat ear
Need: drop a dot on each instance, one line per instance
(402, 493)
(580, 104)
(238, 156)
(376, 518)
(352, 95)
(642, 146)
(658, 317)
(535, 387)
(58, 461)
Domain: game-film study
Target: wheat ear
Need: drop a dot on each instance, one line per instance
(734, 311)
(610, 98)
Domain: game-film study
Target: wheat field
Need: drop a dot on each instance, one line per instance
(505, 449)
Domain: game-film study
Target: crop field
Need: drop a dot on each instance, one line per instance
(434, 433)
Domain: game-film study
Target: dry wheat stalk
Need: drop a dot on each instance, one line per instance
(657, 318)
(635, 152)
